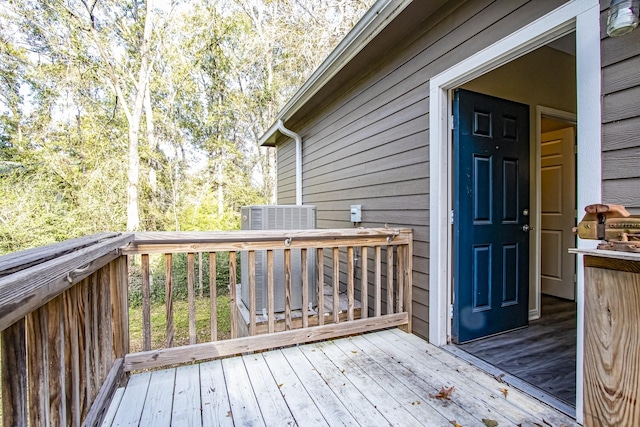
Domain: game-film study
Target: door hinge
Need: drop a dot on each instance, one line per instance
(451, 311)
(575, 149)
(451, 123)
(575, 278)
(451, 217)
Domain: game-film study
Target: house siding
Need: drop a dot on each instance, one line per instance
(286, 167)
(620, 58)
(369, 145)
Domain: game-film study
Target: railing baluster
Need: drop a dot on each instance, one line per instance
(252, 293)
(93, 301)
(287, 289)
(350, 284)
(305, 288)
(400, 264)
(200, 285)
(72, 358)
(168, 299)
(213, 296)
(191, 295)
(90, 338)
(364, 283)
(84, 344)
(320, 266)
(116, 309)
(123, 286)
(408, 284)
(14, 375)
(336, 285)
(146, 304)
(270, 293)
(37, 367)
(389, 279)
(56, 367)
(232, 294)
(106, 341)
(378, 288)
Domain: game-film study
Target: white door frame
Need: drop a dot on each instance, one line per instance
(542, 111)
(583, 16)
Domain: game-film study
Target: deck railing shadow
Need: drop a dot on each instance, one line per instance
(64, 308)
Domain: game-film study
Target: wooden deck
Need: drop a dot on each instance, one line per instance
(381, 378)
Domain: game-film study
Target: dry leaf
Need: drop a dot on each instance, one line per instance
(489, 423)
(454, 423)
(444, 393)
(505, 392)
(280, 385)
(228, 414)
(499, 377)
(354, 352)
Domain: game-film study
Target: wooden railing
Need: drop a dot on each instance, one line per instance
(63, 317)
(64, 308)
(383, 291)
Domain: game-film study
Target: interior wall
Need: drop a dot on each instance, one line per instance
(545, 77)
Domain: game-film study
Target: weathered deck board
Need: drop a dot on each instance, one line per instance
(186, 397)
(133, 401)
(381, 378)
(157, 410)
(216, 410)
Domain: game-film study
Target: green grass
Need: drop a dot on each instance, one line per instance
(180, 322)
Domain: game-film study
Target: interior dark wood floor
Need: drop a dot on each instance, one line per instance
(543, 354)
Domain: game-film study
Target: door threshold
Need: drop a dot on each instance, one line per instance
(511, 380)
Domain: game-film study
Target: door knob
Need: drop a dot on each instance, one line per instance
(526, 228)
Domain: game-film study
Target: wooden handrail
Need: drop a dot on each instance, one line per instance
(64, 324)
(26, 290)
(64, 309)
(335, 253)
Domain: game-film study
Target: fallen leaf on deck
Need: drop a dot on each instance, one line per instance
(499, 377)
(444, 393)
(505, 392)
(280, 385)
(354, 352)
(454, 423)
(228, 414)
(489, 423)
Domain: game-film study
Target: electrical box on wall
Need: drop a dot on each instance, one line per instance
(356, 213)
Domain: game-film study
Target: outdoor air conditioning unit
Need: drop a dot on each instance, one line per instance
(279, 218)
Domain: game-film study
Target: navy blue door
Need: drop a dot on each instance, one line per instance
(491, 218)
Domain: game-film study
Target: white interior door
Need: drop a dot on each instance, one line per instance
(558, 213)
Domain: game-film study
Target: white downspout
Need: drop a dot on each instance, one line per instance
(298, 139)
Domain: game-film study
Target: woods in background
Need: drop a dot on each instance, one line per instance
(120, 115)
